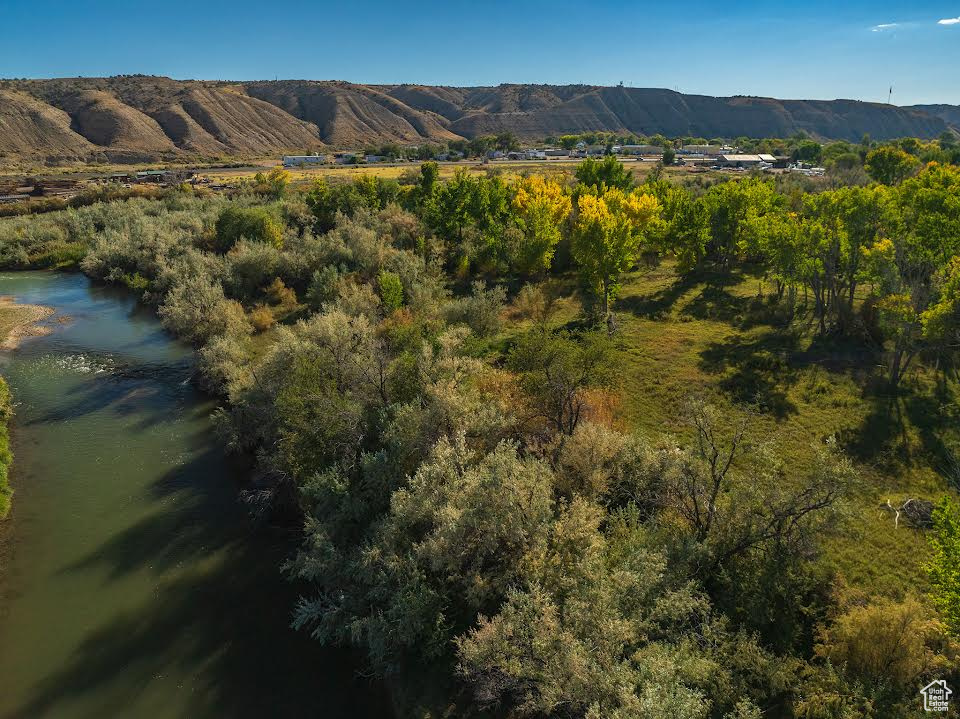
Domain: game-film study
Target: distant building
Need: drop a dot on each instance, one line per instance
(345, 158)
(737, 160)
(303, 160)
(375, 158)
(641, 150)
(712, 150)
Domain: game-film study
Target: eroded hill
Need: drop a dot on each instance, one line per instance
(141, 118)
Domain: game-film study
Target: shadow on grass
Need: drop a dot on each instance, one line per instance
(717, 304)
(758, 369)
(658, 304)
(906, 427)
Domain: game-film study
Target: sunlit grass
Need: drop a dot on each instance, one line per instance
(715, 337)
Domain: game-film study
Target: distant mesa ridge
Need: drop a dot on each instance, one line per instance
(137, 118)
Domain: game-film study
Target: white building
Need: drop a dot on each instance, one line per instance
(737, 160)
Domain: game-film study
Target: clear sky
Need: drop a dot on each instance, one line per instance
(812, 49)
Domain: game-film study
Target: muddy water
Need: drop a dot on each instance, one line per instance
(131, 584)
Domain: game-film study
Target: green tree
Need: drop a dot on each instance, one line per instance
(944, 563)
(608, 233)
(912, 268)
(808, 151)
(685, 229)
(365, 192)
(736, 210)
(391, 291)
(557, 370)
(890, 165)
(257, 224)
(603, 174)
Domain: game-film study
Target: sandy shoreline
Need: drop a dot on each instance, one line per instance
(18, 321)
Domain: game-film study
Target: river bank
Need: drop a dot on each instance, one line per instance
(16, 321)
(20, 320)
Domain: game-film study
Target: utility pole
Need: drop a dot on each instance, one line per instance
(890, 95)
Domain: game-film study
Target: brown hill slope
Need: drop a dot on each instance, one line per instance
(29, 126)
(948, 113)
(136, 118)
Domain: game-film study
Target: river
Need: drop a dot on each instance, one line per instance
(131, 583)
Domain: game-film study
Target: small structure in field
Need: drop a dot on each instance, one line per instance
(303, 160)
(741, 161)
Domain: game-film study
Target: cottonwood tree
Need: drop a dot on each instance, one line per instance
(912, 267)
(608, 233)
(599, 176)
(736, 212)
(944, 563)
(890, 165)
(541, 207)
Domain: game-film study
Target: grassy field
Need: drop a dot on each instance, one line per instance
(713, 337)
(447, 170)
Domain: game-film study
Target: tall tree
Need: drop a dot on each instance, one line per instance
(541, 206)
(890, 165)
(603, 174)
(608, 234)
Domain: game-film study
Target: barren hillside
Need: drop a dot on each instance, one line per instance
(139, 118)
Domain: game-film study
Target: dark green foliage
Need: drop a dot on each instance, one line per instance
(257, 224)
(391, 291)
(944, 565)
(326, 201)
(608, 172)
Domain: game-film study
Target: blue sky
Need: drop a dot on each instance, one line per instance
(815, 49)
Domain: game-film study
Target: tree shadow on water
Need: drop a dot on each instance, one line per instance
(215, 637)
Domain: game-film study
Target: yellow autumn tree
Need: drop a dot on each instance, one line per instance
(541, 206)
(608, 235)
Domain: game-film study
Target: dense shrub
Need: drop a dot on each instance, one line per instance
(257, 224)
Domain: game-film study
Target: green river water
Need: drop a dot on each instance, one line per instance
(131, 583)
